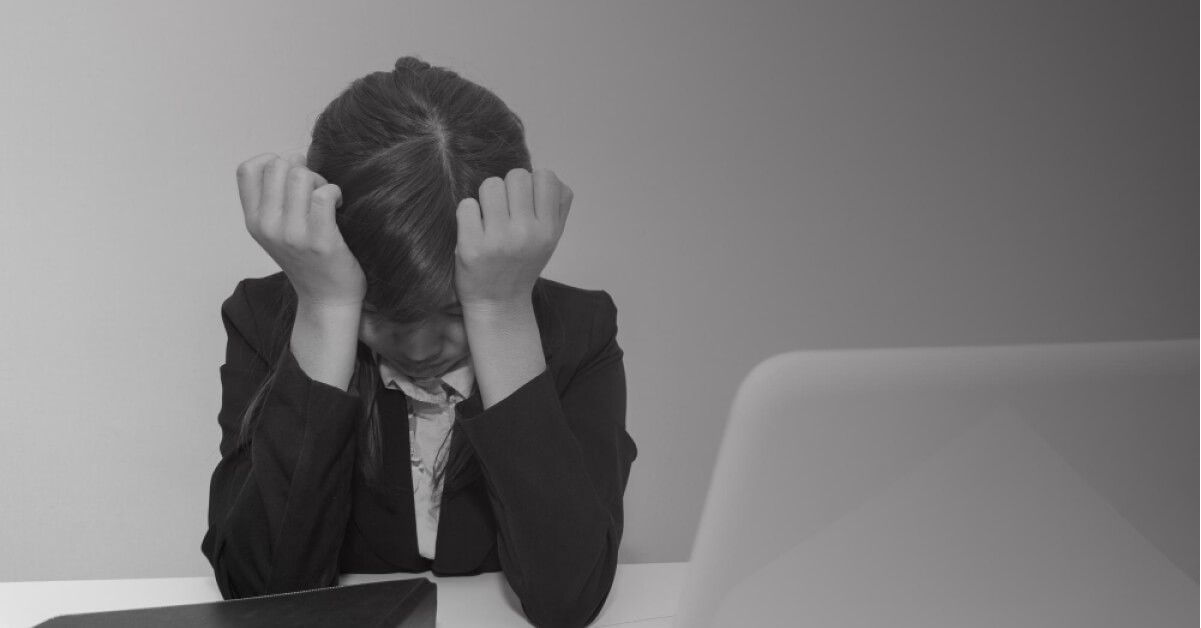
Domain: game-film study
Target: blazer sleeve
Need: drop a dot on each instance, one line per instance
(556, 470)
(279, 506)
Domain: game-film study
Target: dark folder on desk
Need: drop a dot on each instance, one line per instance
(408, 603)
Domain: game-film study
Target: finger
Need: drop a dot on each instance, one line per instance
(250, 183)
(318, 180)
(565, 198)
(494, 205)
(271, 202)
(322, 221)
(471, 226)
(546, 196)
(298, 160)
(519, 187)
(296, 206)
(297, 157)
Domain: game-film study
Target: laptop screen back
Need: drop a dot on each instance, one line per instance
(1016, 485)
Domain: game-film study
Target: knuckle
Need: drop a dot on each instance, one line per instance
(298, 174)
(274, 166)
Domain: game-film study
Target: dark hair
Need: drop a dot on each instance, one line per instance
(404, 147)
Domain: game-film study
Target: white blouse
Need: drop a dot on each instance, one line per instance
(431, 416)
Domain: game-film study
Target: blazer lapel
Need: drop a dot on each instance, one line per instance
(385, 518)
(466, 524)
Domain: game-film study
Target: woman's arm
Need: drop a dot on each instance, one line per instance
(555, 465)
(325, 340)
(506, 347)
(556, 470)
(278, 507)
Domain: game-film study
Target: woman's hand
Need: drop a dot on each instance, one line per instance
(289, 211)
(506, 238)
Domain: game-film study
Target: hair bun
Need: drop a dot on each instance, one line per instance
(410, 64)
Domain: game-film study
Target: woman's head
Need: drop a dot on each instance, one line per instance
(405, 147)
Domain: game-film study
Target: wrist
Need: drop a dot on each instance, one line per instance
(337, 320)
(324, 342)
(506, 346)
(328, 311)
(499, 308)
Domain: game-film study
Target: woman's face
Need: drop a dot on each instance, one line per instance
(429, 348)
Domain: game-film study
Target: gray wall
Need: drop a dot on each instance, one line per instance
(750, 178)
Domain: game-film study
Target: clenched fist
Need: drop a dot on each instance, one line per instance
(289, 211)
(507, 236)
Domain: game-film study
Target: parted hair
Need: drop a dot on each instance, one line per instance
(405, 147)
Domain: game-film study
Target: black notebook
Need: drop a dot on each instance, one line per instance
(408, 603)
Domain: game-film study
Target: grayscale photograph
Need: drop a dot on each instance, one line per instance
(633, 314)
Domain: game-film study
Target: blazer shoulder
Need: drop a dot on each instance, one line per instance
(566, 296)
(254, 309)
(586, 318)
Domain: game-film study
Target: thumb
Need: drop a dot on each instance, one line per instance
(322, 213)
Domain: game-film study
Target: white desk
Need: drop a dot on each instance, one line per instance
(643, 596)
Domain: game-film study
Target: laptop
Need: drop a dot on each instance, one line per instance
(1029, 485)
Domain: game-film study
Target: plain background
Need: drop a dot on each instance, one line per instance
(750, 178)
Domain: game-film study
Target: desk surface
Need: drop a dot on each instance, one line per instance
(643, 595)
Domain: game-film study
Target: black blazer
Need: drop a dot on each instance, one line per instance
(291, 511)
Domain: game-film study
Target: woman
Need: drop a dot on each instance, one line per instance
(407, 394)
